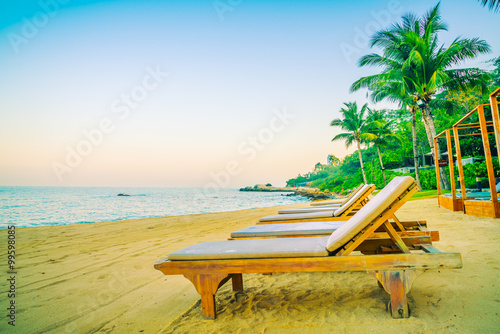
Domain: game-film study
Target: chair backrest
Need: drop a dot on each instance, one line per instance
(368, 213)
(354, 192)
(362, 192)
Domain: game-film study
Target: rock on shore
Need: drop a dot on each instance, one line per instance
(263, 187)
(312, 193)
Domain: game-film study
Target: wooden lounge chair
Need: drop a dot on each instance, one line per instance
(342, 213)
(338, 201)
(319, 228)
(209, 265)
(327, 207)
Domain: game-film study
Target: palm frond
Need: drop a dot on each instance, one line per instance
(414, 64)
(493, 5)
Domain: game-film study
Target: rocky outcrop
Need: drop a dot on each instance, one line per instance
(312, 193)
(263, 187)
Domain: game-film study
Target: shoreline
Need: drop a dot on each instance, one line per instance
(100, 277)
(5, 225)
(137, 220)
(295, 205)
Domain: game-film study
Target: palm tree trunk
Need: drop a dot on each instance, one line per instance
(431, 133)
(361, 162)
(430, 139)
(381, 164)
(414, 139)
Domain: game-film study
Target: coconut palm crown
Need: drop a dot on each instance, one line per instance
(355, 124)
(417, 66)
(413, 55)
(384, 135)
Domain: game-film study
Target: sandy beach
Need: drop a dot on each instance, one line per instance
(100, 278)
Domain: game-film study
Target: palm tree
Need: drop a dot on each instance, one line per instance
(494, 5)
(356, 125)
(394, 91)
(382, 129)
(412, 54)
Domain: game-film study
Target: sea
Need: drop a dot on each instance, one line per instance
(50, 206)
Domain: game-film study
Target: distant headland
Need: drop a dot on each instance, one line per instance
(312, 193)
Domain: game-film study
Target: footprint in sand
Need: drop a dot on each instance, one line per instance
(264, 305)
(240, 297)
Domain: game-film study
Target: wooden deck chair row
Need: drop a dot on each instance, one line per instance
(342, 213)
(319, 228)
(338, 201)
(395, 261)
(328, 207)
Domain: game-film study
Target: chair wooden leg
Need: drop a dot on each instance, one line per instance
(237, 280)
(207, 285)
(397, 284)
(399, 304)
(208, 306)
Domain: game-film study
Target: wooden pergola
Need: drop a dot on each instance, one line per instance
(473, 206)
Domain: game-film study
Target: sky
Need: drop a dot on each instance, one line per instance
(215, 93)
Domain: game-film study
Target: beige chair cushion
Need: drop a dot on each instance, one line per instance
(253, 249)
(337, 201)
(369, 212)
(310, 209)
(358, 188)
(288, 229)
(298, 216)
(353, 199)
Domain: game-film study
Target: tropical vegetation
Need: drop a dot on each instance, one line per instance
(423, 77)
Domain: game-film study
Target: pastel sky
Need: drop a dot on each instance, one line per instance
(188, 93)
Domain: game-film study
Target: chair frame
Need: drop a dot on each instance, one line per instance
(290, 218)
